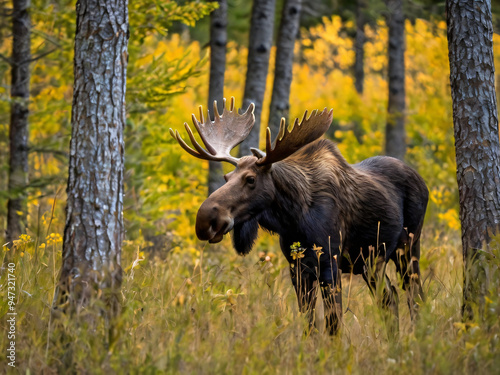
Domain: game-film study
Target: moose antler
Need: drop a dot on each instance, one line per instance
(219, 136)
(289, 141)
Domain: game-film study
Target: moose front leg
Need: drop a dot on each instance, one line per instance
(305, 284)
(332, 302)
(331, 292)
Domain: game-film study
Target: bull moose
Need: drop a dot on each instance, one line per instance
(347, 218)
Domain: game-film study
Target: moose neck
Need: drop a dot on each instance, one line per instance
(314, 182)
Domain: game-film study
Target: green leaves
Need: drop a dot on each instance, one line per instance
(156, 16)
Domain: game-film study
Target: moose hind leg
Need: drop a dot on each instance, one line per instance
(407, 265)
(386, 297)
(305, 284)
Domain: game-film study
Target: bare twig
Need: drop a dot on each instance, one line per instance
(42, 55)
(6, 59)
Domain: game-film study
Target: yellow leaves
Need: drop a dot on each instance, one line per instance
(23, 244)
(317, 250)
(297, 252)
(327, 46)
(25, 238)
(451, 219)
(439, 195)
(53, 238)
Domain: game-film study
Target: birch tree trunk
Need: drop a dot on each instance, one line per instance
(395, 134)
(259, 48)
(18, 135)
(475, 121)
(283, 68)
(218, 41)
(94, 224)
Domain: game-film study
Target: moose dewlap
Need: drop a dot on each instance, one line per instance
(301, 188)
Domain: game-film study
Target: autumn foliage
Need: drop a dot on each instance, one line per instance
(185, 302)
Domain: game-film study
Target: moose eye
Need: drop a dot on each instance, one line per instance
(250, 180)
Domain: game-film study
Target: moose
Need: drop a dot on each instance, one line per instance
(347, 218)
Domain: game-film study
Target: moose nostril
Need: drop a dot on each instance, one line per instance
(213, 224)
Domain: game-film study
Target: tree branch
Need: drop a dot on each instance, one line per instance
(39, 56)
(6, 59)
(49, 151)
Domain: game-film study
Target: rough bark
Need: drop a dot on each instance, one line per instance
(259, 48)
(283, 68)
(94, 224)
(395, 135)
(218, 41)
(359, 63)
(359, 44)
(20, 92)
(475, 120)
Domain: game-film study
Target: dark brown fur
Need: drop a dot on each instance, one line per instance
(316, 198)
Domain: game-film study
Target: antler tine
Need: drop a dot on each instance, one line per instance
(303, 118)
(202, 119)
(216, 110)
(196, 145)
(281, 132)
(289, 141)
(184, 145)
(197, 125)
(219, 136)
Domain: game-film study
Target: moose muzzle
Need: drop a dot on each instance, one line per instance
(213, 222)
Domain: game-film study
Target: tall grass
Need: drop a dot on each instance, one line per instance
(227, 314)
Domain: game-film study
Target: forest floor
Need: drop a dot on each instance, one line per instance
(218, 313)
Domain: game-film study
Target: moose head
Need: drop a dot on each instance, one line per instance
(249, 188)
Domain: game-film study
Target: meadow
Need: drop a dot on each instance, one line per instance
(189, 307)
(215, 312)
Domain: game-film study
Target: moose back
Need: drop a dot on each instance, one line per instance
(347, 218)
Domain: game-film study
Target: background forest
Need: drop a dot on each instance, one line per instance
(193, 308)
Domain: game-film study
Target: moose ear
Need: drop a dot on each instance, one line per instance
(258, 153)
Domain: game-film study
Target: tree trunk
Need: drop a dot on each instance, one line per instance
(359, 46)
(20, 92)
(472, 78)
(395, 135)
(218, 41)
(259, 47)
(94, 223)
(283, 68)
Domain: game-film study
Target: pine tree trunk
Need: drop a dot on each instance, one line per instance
(218, 41)
(395, 135)
(472, 78)
(94, 223)
(359, 44)
(20, 93)
(283, 68)
(259, 48)
(359, 61)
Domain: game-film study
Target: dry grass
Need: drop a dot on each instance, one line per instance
(239, 315)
